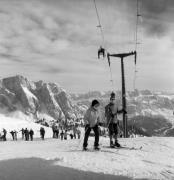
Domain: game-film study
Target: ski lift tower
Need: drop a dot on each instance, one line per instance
(122, 56)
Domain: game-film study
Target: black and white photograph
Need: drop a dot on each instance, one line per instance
(86, 90)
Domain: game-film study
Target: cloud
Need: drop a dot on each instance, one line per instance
(53, 70)
(157, 15)
(11, 58)
(46, 37)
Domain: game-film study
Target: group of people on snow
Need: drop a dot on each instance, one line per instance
(26, 134)
(92, 121)
(73, 132)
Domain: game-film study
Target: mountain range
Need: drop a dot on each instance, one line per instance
(149, 113)
(36, 100)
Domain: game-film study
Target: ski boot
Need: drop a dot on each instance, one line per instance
(117, 144)
(85, 148)
(96, 148)
(112, 144)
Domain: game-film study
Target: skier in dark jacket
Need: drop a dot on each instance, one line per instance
(26, 134)
(31, 133)
(42, 133)
(74, 131)
(78, 133)
(54, 131)
(111, 112)
(15, 135)
(91, 120)
(62, 135)
(57, 132)
(65, 135)
(12, 133)
(71, 135)
(22, 131)
(4, 135)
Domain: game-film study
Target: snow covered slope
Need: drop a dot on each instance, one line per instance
(155, 160)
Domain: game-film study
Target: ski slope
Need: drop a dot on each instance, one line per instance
(154, 161)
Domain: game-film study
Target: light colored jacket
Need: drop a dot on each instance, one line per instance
(111, 111)
(92, 117)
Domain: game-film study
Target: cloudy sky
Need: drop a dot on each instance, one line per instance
(57, 41)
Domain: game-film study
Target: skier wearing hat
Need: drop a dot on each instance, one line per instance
(111, 111)
(91, 120)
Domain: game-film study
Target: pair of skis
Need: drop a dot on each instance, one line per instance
(121, 147)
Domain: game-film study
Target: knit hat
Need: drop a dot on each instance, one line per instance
(112, 96)
(94, 102)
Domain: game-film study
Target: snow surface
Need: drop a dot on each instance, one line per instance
(154, 161)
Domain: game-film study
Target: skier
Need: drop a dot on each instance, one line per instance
(12, 133)
(111, 111)
(74, 131)
(26, 134)
(91, 120)
(22, 131)
(54, 132)
(31, 133)
(4, 135)
(71, 135)
(78, 133)
(15, 135)
(62, 134)
(65, 135)
(57, 132)
(42, 133)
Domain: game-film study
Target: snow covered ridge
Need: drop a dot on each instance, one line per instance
(36, 99)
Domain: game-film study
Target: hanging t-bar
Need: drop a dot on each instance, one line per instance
(123, 55)
(101, 52)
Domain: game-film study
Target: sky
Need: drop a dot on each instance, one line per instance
(57, 41)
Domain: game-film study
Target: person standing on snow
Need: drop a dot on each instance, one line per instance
(57, 132)
(23, 132)
(26, 134)
(62, 134)
(78, 133)
(74, 131)
(31, 133)
(91, 120)
(111, 112)
(12, 134)
(15, 135)
(4, 135)
(53, 129)
(42, 133)
(65, 135)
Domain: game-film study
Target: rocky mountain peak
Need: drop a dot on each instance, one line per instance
(35, 98)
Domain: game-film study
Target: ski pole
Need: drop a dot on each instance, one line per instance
(107, 127)
(83, 136)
